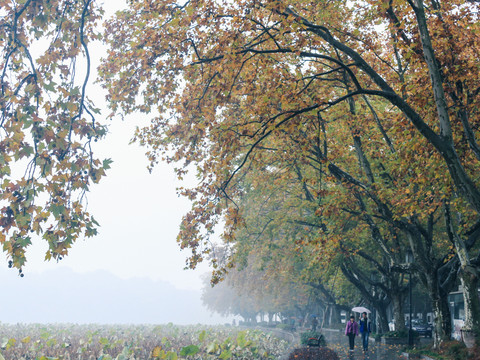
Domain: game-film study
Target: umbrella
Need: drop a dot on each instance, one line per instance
(361, 309)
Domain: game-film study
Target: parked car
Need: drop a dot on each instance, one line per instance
(423, 329)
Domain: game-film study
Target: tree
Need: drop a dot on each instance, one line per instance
(48, 125)
(225, 300)
(232, 82)
(255, 289)
(281, 231)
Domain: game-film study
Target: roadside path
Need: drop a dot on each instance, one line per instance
(376, 351)
(337, 341)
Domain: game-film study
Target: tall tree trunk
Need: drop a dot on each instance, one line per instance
(335, 314)
(439, 334)
(446, 314)
(326, 313)
(468, 276)
(441, 312)
(469, 280)
(438, 278)
(398, 314)
(382, 326)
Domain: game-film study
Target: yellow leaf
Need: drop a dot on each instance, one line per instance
(156, 352)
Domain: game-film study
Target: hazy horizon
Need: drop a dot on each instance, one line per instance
(62, 295)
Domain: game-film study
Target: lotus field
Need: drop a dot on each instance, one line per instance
(122, 342)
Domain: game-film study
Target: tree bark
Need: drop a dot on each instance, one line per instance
(469, 280)
(383, 320)
(441, 311)
(398, 311)
(468, 276)
(334, 314)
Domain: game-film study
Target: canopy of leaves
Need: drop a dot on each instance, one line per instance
(350, 91)
(47, 124)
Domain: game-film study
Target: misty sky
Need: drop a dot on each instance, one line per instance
(61, 295)
(139, 214)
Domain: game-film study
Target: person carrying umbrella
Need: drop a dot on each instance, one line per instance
(351, 330)
(365, 330)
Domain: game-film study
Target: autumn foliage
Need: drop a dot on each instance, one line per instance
(48, 125)
(358, 120)
(330, 129)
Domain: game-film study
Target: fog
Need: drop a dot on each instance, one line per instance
(64, 296)
(132, 271)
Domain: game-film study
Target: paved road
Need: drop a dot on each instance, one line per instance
(378, 351)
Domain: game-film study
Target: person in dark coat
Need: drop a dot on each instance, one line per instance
(365, 330)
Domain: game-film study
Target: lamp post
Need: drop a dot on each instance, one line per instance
(409, 260)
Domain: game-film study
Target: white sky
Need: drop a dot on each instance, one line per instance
(139, 213)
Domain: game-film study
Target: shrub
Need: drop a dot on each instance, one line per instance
(399, 334)
(313, 353)
(448, 350)
(284, 326)
(454, 350)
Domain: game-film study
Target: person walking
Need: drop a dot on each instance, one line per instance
(351, 330)
(365, 330)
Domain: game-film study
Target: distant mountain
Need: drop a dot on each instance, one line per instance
(99, 297)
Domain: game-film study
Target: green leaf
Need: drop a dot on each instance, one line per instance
(95, 110)
(51, 342)
(226, 354)
(50, 87)
(212, 348)
(23, 220)
(107, 163)
(241, 341)
(171, 355)
(202, 335)
(189, 350)
(24, 241)
(75, 91)
(26, 151)
(57, 210)
(5, 170)
(10, 343)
